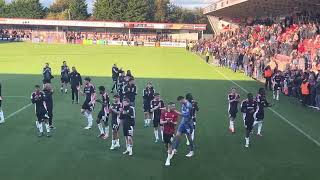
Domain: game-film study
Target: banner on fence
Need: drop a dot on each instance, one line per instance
(149, 44)
(173, 44)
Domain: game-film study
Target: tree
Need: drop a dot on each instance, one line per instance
(136, 10)
(174, 13)
(25, 9)
(151, 10)
(2, 8)
(161, 10)
(59, 6)
(110, 10)
(78, 9)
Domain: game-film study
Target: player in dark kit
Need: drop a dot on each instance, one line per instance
(38, 99)
(148, 95)
(47, 74)
(64, 77)
(233, 99)
(195, 109)
(277, 85)
(115, 121)
(48, 91)
(90, 98)
(169, 120)
(128, 115)
(157, 105)
(103, 115)
(249, 107)
(76, 83)
(259, 114)
(115, 75)
(1, 112)
(130, 91)
(121, 83)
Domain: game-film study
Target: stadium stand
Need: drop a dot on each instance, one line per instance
(250, 40)
(100, 32)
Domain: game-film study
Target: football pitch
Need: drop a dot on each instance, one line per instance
(289, 149)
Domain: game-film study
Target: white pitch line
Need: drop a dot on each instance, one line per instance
(18, 111)
(274, 111)
(16, 97)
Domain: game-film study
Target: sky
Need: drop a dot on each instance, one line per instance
(183, 3)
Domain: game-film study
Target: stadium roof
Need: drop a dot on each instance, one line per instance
(260, 8)
(101, 24)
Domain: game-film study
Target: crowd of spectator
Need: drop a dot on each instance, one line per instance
(14, 35)
(141, 37)
(287, 46)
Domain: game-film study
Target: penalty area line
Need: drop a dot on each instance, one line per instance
(274, 111)
(18, 111)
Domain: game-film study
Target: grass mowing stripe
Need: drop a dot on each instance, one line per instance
(19, 110)
(274, 111)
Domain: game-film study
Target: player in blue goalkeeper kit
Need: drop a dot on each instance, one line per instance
(186, 125)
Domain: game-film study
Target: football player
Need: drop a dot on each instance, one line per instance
(103, 115)
(90, 98)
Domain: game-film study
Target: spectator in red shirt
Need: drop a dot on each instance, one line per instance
(169, 120)
(301, 48)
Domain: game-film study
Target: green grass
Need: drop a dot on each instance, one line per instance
(75, 154)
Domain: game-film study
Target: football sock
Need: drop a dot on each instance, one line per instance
(1, 116)
(259, 127)
(37, 124)
(106, 129)
(161, 134)
(145, 122)
(117, 141)
(100, 128)
(191, 143)
(247, 140)
(192, 134)
(187, 140)
(85, 114)
(40, 126)
(156, 134)
(231, 126)
(90, 120)
(47, 127)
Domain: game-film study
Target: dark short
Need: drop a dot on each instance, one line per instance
(132, 103)
(127, 129)
(45, 81)
(0, 103)
(42, 115)
(232, 114)
(115, 125)
(259, 116)
(167, 138)
(277, 87)
(156, 122)
(114, 79)
(147, 107)
(86, 106)
(103, 116)
(64, 80)
(249, 124)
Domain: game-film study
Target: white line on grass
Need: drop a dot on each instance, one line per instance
(274, 111)
(18, 111)
(25, 97)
